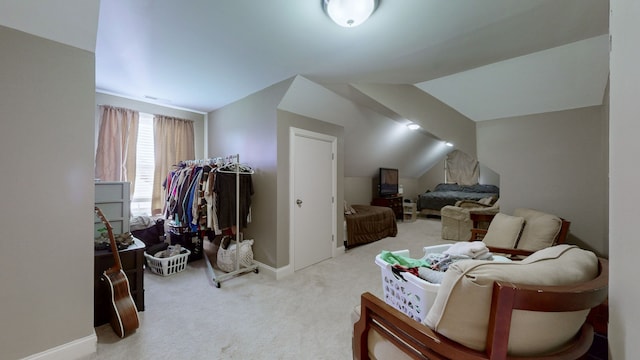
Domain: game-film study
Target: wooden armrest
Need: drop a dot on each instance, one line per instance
(410, 336)
(509, 251)
(477, 234)
(420, 342)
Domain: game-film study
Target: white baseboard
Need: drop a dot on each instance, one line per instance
(278, 273)
(287, 270)
(75, 349)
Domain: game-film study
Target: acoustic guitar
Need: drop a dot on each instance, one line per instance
(124, 314)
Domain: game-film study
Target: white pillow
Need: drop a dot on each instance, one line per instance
(504, 231)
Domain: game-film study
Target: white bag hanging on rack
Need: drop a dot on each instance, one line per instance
(226, 258)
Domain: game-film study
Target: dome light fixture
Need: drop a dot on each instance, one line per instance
(349, 13)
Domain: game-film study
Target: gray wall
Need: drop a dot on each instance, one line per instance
(253, 128)
(287, 120)
(554, 162)
(359, 190)
(46, 150)
(372, 139)
(624, 293)
(249, 127)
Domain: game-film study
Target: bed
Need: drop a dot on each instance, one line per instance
(369, 224)
(430, 202)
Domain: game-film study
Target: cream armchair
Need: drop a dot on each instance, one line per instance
(457, 221)
(524, 232)
(494, 310)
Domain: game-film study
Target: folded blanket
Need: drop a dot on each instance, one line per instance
(472, 249)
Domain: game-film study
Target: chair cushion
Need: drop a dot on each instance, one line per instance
(540, 229)
(504, 231)
(463, 303)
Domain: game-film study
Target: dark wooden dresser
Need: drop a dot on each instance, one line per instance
(132, 260)
(393, 202)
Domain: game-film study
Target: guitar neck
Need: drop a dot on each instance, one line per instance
(114, 248)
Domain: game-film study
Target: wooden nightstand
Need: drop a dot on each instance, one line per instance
(393, 202)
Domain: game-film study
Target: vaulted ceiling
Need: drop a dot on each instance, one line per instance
(480, 57)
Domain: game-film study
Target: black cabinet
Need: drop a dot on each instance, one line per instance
(132, 260)
(187, 239)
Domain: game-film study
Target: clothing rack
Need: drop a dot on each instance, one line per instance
(231, 165)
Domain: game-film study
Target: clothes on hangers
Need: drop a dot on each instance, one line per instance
(201, 195)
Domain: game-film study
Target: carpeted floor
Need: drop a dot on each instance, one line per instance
(253, 316)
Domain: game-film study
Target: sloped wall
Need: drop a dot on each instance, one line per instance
(372, 140)
(433, 115)
(256, 127)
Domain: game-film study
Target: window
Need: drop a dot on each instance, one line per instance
(145, 164)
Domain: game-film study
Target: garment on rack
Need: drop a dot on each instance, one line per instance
(202, 196)
(225, 189)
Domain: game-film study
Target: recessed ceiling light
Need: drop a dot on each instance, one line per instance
(413, 126)
(448, 143)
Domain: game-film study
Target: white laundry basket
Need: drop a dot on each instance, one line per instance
(168, 265)
(407, 292)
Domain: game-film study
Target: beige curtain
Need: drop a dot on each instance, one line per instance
(116, 152)
(173, 140)
(462, 168)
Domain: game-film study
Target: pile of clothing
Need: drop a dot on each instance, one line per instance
(432, 267)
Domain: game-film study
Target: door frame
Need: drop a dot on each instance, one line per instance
(293, 132)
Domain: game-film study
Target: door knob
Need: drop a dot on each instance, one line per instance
(299, 202)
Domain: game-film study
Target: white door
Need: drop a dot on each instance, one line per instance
(313, 185)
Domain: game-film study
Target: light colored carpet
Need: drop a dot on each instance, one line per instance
(253, 316)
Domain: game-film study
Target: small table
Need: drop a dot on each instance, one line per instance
(132, 259)
(410, 211)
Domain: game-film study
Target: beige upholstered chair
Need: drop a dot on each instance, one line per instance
(526, 231)
(535, 308)
(456, 219)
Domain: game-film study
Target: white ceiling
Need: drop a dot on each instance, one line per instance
(204, 54)
(561, 78)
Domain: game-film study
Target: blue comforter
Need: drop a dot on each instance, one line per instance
(449, 194)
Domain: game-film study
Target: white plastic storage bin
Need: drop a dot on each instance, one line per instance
(413, 295)
(169, 265)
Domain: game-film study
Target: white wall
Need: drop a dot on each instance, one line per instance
(624, 293)
(46, 151)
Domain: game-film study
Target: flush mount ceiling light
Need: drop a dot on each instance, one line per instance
(413, 126)
(349, 13)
